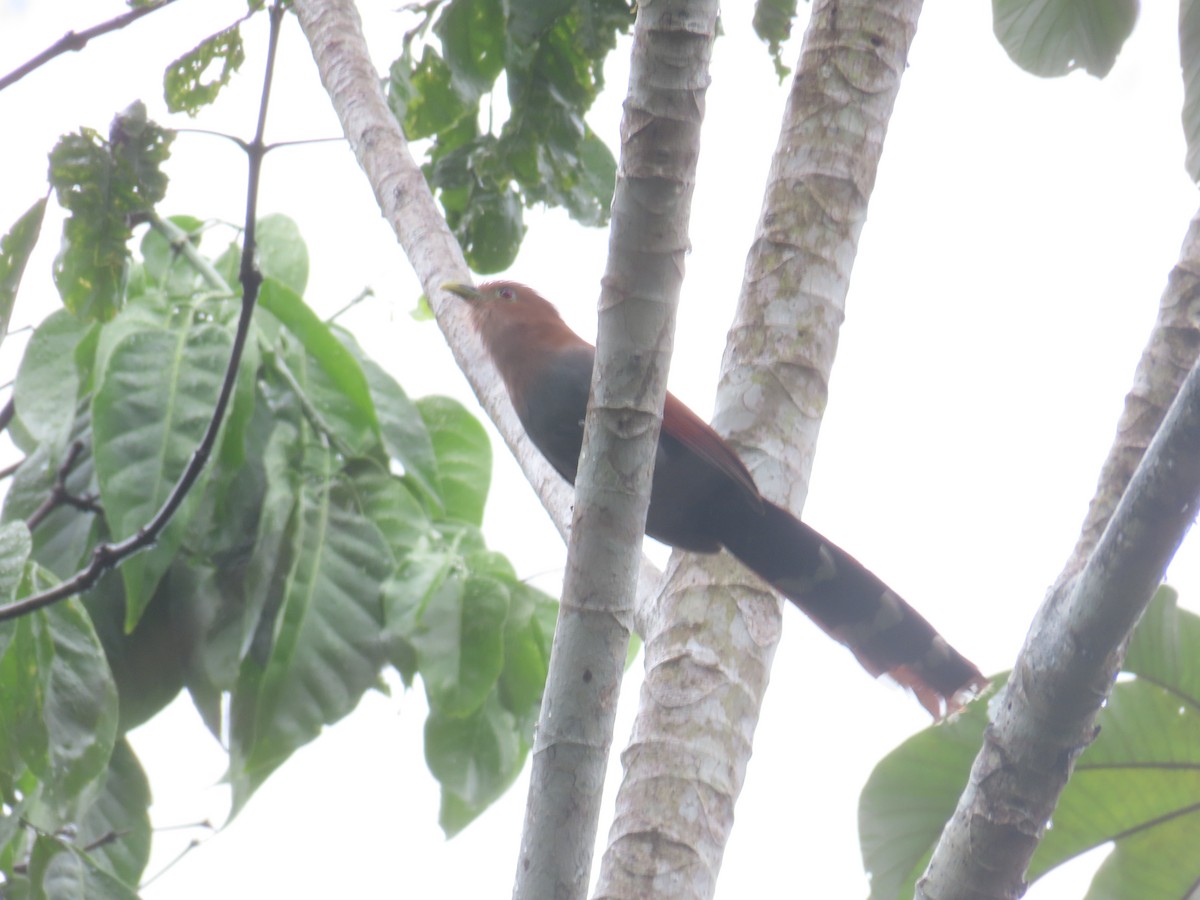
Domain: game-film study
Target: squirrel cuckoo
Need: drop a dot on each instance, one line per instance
(703, 498)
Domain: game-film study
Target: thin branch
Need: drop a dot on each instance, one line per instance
(77, 40)
(59, 495)
(1144, 504)
(107, 555)
(354, 301)
(181, 243)
(10, 470)
(6, 413)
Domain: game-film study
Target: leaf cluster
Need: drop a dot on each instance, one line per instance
(335, 533)
(551, 55)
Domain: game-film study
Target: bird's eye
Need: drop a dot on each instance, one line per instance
(506, 293)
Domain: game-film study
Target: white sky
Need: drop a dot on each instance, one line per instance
(1017, 244)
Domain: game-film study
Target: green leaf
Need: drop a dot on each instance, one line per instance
(282, 253)
(1136, 785)
(58, 713)
(464, 456)
(423, 97)
(526, 653)
(773, 24)
(165, 265)
(146, 430)
(239, 563)
(232, 452)
(1189, 55)
(911, 794)
(15, 248)
(184, 84)
(103, 184)
(475, 758)
(473, 40)
(491, 230)
(325, 650)
(47, 385)
(122, 809)
(405, 436)
(386, 501)
(1053, 37)
(57, 868)
(15, 547)
(67, 535)
(343, 397)
(147, 663)
(460, 642)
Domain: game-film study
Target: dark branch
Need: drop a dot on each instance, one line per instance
(6, 414)
(59, 495)
(107, 555)
(77, 40)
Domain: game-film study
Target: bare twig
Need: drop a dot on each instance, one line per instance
(59, 495)
(354, 301)
(107, 555)
(7, 412)
(10, 470)
(77, 40)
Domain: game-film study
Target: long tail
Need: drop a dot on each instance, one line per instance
(852, 605)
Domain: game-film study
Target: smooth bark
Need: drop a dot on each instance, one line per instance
(660, 143)
(711, 638)
(1144, 504)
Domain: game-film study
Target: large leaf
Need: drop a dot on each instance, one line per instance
(151, 409)
(57, 868)
(15, 547)
(405, 436)
(326, 648)
(15, 248)
(1137, 785)
(464, 457)
(58, 712)
(282, 254)
(120, 814)
(67, 535)
(335, 387)
(1054, 37)
(47, 383)
(475, 758)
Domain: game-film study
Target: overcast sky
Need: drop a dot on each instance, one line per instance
(1018, 240)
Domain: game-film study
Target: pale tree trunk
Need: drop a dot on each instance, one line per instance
(1144, 504)
(711, 638)
(334, 32)
(648, 239)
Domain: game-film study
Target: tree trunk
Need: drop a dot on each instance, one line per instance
(711, 637)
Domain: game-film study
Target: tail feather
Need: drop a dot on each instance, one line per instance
(851, 604)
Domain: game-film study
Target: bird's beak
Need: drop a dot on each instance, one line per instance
(466, 291)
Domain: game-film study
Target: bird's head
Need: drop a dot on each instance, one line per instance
(505, 312)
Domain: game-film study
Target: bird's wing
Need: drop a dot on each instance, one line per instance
(695, 434)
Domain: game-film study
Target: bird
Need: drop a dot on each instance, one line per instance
(703, 499)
